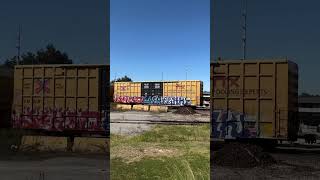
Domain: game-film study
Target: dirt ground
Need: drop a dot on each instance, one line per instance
(44, 166)
(292, 163)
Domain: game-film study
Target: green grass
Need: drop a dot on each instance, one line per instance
(166, 152)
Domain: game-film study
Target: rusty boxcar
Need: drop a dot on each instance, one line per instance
(170, 93)
(254, 99)
(6, 86)
(61, 98)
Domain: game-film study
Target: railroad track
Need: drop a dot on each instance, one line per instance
(179, 122)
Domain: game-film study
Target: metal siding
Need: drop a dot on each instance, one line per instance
(151, 90)
(127, 89)
(187, 89)
(57, 98)
(250, 99)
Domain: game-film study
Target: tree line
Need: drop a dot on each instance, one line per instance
(48, 55)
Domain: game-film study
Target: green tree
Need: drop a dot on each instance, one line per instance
(11, 62)
(122, 79)
(49, 55)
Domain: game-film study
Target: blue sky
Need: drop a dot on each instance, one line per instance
(154, 37)
(78, 27)
(148, 37)
(286, 28)
(151, 37)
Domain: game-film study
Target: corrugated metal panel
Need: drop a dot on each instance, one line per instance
(251, 99)
(60, 98)
(132, 89)
(188, 89)
(151, 89)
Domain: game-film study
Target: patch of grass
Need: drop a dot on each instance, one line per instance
(165, 152)
(162, 134)
(186, 167)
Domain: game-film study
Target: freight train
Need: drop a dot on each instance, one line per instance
(63, 100)
(254, 100)
(169, 93)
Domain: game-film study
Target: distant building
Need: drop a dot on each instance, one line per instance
(206, 98)
(309, 110)
(309, 116)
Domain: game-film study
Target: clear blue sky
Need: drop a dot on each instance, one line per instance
(275, 28)
(78, 27)
(151, 37)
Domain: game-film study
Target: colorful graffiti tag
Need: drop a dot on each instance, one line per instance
(42, 86)
(128, 99)
(231, 125)
(158, 100)
(231, 86)
(58, 120)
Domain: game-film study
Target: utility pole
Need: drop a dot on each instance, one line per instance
(186, 73)
(19, 44)
(161, 76)
(244, 29)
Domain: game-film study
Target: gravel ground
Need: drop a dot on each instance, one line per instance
(133, 129)
(129, 129)
(137, 115)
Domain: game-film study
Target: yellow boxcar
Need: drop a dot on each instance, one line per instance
(254, 99)
(190, 89)
(176, 93)
(61, 98)
(127, 89)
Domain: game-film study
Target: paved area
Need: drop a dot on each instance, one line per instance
(31, 167)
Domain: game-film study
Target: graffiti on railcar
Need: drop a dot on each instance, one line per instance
(166, 100)
(42, 86)
(231, 86)
(128, 99)
(231, 124)
(158, 100)
(57, 119)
